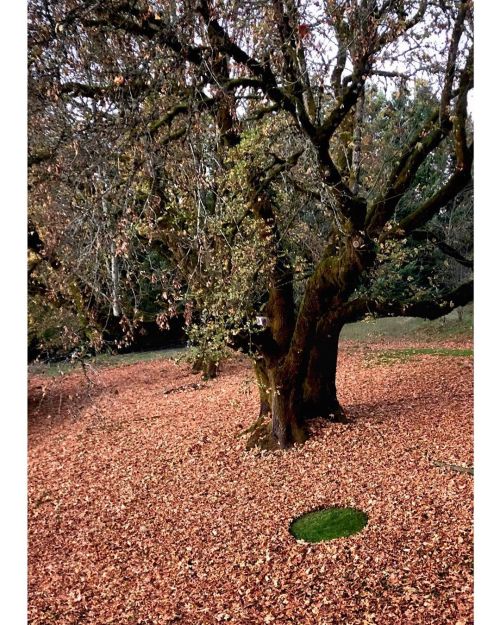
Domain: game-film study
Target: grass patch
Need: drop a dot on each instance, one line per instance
(105, 360)
(448, 327)
(329, 523)
(403, 355)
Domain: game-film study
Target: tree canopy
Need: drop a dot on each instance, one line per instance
(272, 170)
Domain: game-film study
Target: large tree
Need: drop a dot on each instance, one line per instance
(282, 155)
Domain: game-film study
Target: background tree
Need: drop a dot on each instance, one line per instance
(251, 144)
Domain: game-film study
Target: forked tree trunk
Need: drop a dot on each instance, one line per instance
(289, 399)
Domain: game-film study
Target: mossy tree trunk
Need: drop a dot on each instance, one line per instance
(264, 386)
(299, 351)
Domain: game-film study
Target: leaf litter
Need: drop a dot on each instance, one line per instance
(145, 508)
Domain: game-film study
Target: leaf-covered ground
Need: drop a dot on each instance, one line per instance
(145, 509)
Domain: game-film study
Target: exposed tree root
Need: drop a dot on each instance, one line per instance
(261, 436)
(256, 424)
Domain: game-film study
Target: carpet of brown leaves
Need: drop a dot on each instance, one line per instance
(145, 509)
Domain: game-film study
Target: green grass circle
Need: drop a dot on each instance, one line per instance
(328, 523)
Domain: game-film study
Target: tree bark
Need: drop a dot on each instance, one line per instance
(264, 386)
(280, 400)
(319, 390)
(302, 370)
(290, 397)
(287, 421)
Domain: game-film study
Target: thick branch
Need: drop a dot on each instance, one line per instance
(126, 88)
(421, 215)
(280, 306)
(225, 45)
(456, 35)
(351, 206)
(426, 139)
(417, 150)
(346, 102)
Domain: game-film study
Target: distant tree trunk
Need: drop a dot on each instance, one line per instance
(115, 281)
(207, 366)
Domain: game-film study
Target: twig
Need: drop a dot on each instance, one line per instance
(185, 387)
(453, 467)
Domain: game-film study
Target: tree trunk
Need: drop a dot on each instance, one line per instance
(291, 396)
(320, 391)
(287, 422)
(115, 281)
(264, 386)
(280, 399)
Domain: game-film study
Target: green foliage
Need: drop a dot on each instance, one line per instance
(412, 270)
(57, 327)
(404, 272)
(45, 322)
(234, 259)
(390, 121)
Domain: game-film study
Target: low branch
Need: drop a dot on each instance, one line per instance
(427, 309)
